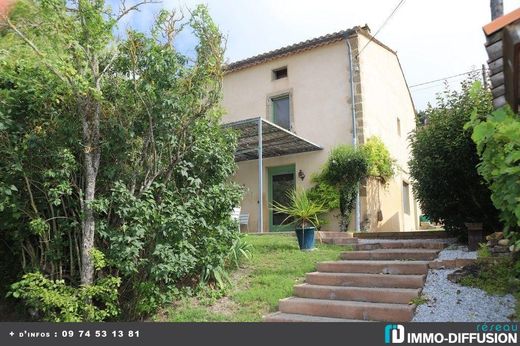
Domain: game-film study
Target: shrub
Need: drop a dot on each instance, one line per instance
(55, 301)
(345, 168)
(324, 193)
(444, 159)
(497, 137)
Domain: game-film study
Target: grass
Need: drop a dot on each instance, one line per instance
(498, 277)
(420, 300)
(277, 264)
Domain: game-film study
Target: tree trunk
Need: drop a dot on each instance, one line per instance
(89, 109)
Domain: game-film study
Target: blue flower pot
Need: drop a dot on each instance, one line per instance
(305, 239)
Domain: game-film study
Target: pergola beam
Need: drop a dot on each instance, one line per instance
(259, 139)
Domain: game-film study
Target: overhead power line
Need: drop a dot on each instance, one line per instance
(445, 78)
(382, 26)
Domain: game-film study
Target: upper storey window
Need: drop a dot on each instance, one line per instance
(282, 111)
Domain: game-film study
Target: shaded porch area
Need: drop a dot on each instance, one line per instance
(259, 138)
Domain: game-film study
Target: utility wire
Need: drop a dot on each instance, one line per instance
(382, 26)
(437, 84)
(445, 78)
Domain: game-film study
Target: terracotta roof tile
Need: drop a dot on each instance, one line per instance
(293, 48)
(501, 22)
(302, 46)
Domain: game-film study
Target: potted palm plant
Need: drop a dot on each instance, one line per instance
(302, 212)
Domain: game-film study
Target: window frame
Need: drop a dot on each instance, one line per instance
(407, 207)
(276, 70)
(270, 107)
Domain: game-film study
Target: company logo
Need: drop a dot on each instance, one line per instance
(394, 334)
(491, 334)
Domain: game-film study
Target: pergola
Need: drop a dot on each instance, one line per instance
(259, 139)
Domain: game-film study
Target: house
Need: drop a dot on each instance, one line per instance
(302, 100)
(503, 48)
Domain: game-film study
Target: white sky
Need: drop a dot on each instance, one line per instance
(433, 39)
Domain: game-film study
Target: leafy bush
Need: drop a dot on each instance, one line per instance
(55, 301)
(380, 163)
(324, 193)
(497, 137)
(159, 215)
(444, 159)
(345, 168)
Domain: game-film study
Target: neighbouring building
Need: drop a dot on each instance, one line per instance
(303, 95)
(503, 48)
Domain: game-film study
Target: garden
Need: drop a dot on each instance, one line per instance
(115, 197)
(115, 189)
(276, 265)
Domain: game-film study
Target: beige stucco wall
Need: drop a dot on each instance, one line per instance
(318, 82)
(386, 98)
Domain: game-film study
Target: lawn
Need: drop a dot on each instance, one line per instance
(277, 264)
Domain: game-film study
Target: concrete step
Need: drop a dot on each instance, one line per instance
(347, 309)
(366, 247)
(391, 254)
(326, 234)
(342, 241)
(402, 235)
(435, 245)
(374, 267)
(282, 317)
(365, 280)
(363, 294)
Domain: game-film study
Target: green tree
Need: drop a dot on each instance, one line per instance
(444, 159)
(115, 160)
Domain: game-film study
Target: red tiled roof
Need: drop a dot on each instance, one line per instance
(501, 22)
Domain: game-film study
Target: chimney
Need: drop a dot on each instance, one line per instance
(497, 9)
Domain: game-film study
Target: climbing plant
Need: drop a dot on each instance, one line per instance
(345, 168)
(381, 165)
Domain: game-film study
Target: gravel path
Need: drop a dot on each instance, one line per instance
(457, 251)
(449, 302)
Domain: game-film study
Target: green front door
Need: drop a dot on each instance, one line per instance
(281, 181)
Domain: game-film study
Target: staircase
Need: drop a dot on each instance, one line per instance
(375, 282)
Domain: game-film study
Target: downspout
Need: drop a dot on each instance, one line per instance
(354, 127)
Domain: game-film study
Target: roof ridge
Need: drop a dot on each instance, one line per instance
(292, 48)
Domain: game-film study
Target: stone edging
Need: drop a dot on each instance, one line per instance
(451, 263)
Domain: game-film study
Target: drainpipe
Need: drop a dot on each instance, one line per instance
(354, 129)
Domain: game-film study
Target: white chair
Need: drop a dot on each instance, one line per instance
(235, 214)
(244, 220)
